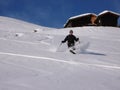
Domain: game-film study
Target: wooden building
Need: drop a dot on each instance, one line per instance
(81, 20)
(107, 18)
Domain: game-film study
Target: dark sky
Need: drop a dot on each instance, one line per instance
(54, 13)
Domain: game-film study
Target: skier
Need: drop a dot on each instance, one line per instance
(70, 39)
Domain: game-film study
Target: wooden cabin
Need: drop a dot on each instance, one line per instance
(107, 18)
(81, 20)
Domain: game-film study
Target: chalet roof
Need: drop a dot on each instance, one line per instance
(79, 16)
(107, 11)
(82, 15)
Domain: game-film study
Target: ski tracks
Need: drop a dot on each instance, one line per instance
(62, 61)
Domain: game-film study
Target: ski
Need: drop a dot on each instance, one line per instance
(72, 52)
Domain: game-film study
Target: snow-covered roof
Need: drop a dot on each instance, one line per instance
(107, 11)
(78, 16)
(82, 15)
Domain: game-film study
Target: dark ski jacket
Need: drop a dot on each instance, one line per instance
(70, 39)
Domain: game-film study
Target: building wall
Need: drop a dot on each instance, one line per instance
(107, 20)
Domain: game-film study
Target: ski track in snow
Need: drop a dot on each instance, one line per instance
(20, 41)
(62, 61)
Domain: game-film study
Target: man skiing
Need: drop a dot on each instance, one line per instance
(70, 39)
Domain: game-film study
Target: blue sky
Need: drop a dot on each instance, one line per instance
(54, 13)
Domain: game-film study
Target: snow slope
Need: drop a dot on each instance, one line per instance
(35, 60)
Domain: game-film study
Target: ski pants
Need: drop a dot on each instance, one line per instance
(70, 44)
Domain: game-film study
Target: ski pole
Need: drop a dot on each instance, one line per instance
(59, 46)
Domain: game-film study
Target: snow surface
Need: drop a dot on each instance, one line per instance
(36, 61)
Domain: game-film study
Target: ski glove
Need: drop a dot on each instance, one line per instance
(63, 41)
(77, 39)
